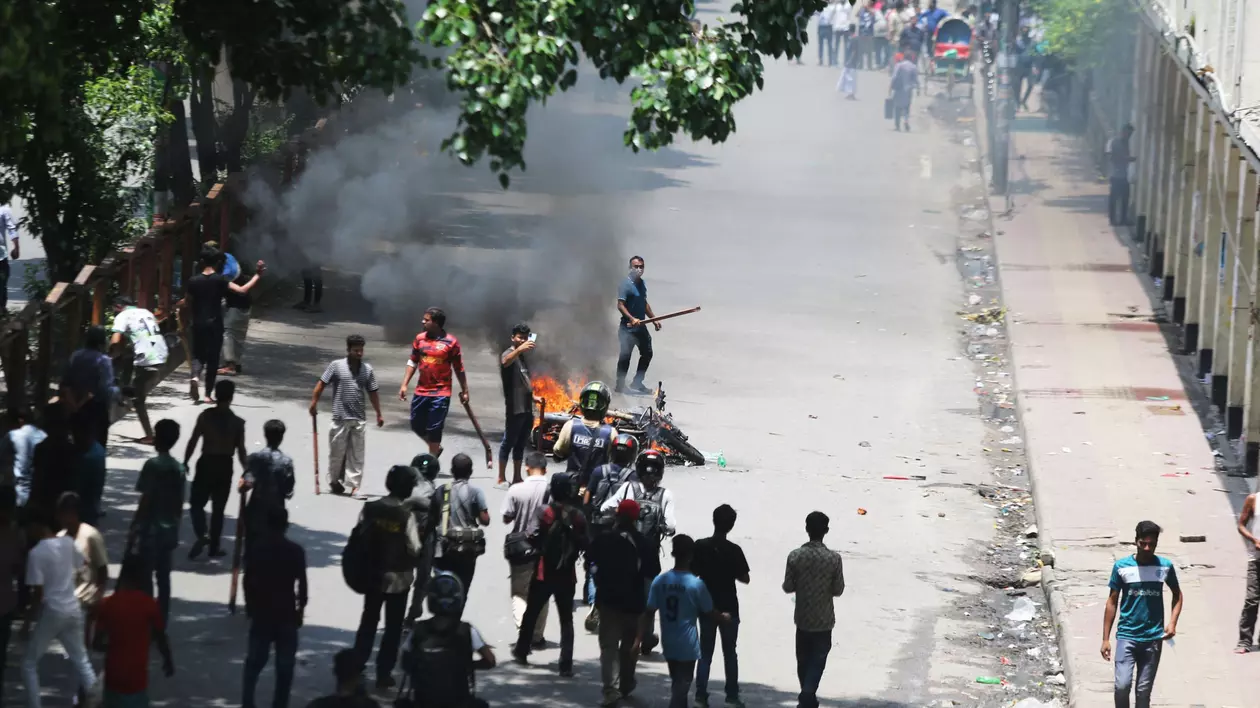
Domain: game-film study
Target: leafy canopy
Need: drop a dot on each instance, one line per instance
(505, 55)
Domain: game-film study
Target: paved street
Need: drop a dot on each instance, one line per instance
(820, 244)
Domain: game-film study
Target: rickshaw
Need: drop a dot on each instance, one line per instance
(951, 53)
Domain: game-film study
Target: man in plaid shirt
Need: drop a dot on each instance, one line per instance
(816, 574)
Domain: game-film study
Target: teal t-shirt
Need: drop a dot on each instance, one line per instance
(1142, 597)
(681, 598)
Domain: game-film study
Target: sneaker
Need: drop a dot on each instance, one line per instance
(592, 621)
(611, 698)
(198, 546)
(337, 488)
(700, 702)
(385, 683)
(354, 493)
(639, 388)
(734, 703)
(194, 392)
(522, 659)
(217, 553)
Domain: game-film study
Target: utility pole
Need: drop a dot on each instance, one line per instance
(1008, 25)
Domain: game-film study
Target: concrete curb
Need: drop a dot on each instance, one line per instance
(1045, 543)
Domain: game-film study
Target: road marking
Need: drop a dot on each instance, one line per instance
(925, 167)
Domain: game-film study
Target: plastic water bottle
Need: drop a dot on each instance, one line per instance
(721, 460)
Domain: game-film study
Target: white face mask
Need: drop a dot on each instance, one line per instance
(636, 272)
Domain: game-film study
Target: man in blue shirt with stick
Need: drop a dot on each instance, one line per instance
(633, 305)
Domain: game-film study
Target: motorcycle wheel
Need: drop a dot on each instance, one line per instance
(676, 442)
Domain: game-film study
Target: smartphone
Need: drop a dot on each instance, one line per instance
(533, 336)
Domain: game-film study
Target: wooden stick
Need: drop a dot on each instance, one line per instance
(473, 417)
(315, 447)
(679, 313)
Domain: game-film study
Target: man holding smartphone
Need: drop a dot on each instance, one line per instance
(518, 399)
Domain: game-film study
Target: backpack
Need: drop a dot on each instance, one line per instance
(651, 521)
(440, 665)
(360, 563)
(608, 484)
(421, 503)
(559, 542)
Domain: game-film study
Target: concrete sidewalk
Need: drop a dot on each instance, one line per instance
(1111, 436)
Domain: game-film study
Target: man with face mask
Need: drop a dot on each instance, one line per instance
(633, 305)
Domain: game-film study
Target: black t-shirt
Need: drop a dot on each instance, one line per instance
(239, 301)
(205, 296)
(518, 395)
(718, 562)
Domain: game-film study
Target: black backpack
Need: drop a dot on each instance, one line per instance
(439, 665)
(651, 513)
(559, 542)
(609, 483)
(360, 561)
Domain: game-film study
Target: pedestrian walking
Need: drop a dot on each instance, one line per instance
(8, 235)
(1249, 529)
(522, 512)
(605, 480)
(269, 479)
(17, 452)
(88, 385)
(275, 602)
(51, 567)
(586, 442)
(12, 557)
(866, 21)
(682, 598)
(390, 528)
(621, 559)
(656, 521)
(1119, 158)
(89, 470)
(518, 400)
(91, 578)
(462, 511)
(127, 622)
(848, 77)
(312, 289)
(434, 354)
(425, 468)
(841, 30)
(237, 308)
(351, 378)
(438, 658)
(224, 434)
(144, 338)
(719, 562)
(815, 574)
(155, 526)
(350, 693)
(1137, 592)
(825, 38)
(632, 303)
(905, 81)
(204, 295)
(882, 45)
(563, 537)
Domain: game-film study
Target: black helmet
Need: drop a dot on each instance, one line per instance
(446, 595)
(625, 448)
(427, 466)
(561, 487)
(594, 400)
(650, 462)
(400, 480)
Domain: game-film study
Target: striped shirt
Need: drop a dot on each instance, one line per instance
(348, 388)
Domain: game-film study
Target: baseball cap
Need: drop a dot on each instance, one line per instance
(628, 509)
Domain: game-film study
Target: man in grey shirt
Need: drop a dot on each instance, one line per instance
(1119, 157)
(467, 510)
(8, 232)
(522, 509)
(350, 378)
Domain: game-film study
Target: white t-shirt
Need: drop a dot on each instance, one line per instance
(141, 327)
(524, 503)
(52, 564)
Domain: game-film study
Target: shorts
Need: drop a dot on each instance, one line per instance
(428, 416)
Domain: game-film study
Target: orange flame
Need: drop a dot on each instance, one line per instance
(557, 397)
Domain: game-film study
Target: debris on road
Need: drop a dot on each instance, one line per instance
(1031, 531)
(1023, 611)
(861, 511)
(992, 680)
(1193, 539)
(864, 444)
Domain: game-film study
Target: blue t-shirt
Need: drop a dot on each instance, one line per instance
(1142, 597)
(680, 599)
(635, 296)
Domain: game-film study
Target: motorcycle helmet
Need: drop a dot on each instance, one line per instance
(650, 463)
(625, 449)
(594, 400)
(427, 465)
(562, 487)
(446, 595)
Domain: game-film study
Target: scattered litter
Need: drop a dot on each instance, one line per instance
(1157, 398)
(813, 417)
(1034, 652)
(1005, 661)
(907, 478)
(1031, 531)
(1024, 610)
(991, 680)
(861, 511)
(1057, 680)
(1030, 578)
(988, 636)
(864, 444)
(1067, 449)
(940, 514)
(973, 299)
(1193, 539)
(1034, 703)
(989, 315)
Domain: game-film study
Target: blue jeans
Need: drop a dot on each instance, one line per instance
(708, 638)
(261, 636)
(681, 674)
(629, 338)
(515, 434)
(1140, 659)
(160, 565)
(590, 583)
(826, 50)
(812, 649)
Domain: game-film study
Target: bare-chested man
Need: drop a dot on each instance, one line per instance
(224, 434)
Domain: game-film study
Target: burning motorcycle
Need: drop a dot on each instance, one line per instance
(650, 425)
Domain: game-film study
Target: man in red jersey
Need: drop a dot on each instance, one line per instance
(434, 353)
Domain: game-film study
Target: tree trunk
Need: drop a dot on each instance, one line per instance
(179, 158)
(236, 129)
(205, 128)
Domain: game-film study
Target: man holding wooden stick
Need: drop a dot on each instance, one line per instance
(633, 305)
